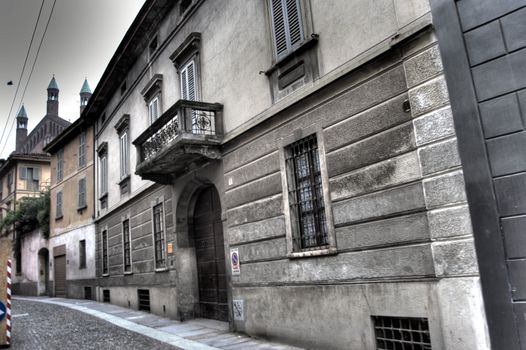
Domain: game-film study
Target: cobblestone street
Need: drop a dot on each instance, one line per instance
(48, 326)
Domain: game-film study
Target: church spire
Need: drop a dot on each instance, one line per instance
(85, 94)
(21, 129)
(52, 97)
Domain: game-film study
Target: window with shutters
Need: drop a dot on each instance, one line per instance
(188, 76)
(103, 177)
(60, 165)
(126, 246)
(82, 149)
(31, 176)
(10, 182)
(82, 194)
(287, 28)
(295, 59)
(124, 154)
(154, 109)
(58, 206)
(104, 243)
(310, 228)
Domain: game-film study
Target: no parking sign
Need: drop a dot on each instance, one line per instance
(234, 261)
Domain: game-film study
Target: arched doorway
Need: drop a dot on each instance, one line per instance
(210, 255)
(43, 272)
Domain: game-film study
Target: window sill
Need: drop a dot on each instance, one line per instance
(105, 275)
(103, 196)
(82, 207)
(127, 273)
(162, 269)
(306, 44)
(124, 179)
(313, 253)
(82, 267)
(59, 217)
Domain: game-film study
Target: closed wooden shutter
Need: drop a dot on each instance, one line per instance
(286, 25)
(188, 82)
(23, 173)
(36, 173)
(82, 193)
(60, 276)
(59, 205)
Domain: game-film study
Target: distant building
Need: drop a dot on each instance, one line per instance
(72, 229)
(26, 172)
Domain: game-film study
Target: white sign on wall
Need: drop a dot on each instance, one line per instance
(238, 310)
(234, 261)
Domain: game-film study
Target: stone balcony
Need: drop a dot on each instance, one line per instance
(184, 137)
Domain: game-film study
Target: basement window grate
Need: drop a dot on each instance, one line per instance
(144, 299)
(87, 293)
(106, 295)
(401, 333)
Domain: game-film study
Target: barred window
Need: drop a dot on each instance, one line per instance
(105, 252)
(126, 245)
(404, 333)
(82, 254)
(158, 236)
(305, 192)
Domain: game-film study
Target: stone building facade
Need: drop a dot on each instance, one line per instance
(295, 173)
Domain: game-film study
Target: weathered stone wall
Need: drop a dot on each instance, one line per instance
(123, 287)
(399, 207)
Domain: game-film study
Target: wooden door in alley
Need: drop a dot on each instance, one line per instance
(210, 253)
(60, 276)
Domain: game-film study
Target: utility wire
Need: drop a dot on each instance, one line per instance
(22, 73)
(31, 73)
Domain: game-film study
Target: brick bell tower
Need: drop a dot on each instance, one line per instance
(21, 129)
(52, 97)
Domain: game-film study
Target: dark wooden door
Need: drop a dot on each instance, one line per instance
(60, 276)
(208, 235)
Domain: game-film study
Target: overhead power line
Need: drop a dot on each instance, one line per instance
(22, 73)
(31, 73)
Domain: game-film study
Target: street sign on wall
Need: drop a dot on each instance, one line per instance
(234, 261)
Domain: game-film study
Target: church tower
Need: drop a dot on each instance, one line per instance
(21, 129)
(85, 94)
(52, 97)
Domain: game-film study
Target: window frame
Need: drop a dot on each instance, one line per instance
(126, 219)
(103, 174)
(184, 70)
(291, 233)
(159, 202)
(158, 112)
(32, 181)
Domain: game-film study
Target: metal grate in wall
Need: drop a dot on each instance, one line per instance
(106, 295)
(401, 333)
(144, 299)
(87, 293)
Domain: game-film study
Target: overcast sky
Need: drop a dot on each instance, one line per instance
(81, 38)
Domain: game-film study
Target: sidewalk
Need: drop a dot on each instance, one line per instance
(198, 334)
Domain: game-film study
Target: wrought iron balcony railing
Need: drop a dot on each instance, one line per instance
(185, 123)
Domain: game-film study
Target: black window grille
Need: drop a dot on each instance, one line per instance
(82, 254)
(126, 245)
(307, 208)
(106, 295)
(87, 293)
(104, 252)
(144, 299)
(158, 234)
(401, 333)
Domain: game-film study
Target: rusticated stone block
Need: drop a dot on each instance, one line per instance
(423, 67)
(434, 126)
(449, 222)
(429, 96)
(445, 189)
(455, 258)
(439, 156)
(262, 209)
(273, 227)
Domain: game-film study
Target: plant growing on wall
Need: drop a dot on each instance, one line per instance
(30, 213)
